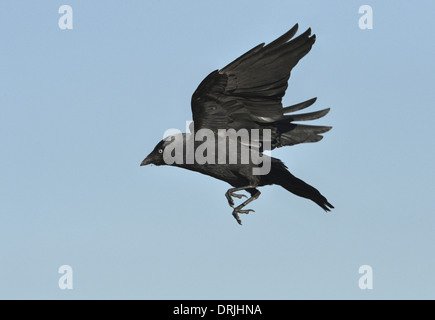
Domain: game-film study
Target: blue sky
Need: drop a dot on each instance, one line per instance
(81, 108)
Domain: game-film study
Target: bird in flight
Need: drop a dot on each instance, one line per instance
(246, 95)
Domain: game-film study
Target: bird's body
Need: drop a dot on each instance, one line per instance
(245, 98)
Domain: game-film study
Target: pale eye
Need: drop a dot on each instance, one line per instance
(160, 150)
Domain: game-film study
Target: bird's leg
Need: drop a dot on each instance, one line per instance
(230, 193)
(239, 209)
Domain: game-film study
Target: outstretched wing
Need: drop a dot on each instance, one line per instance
(247, 93)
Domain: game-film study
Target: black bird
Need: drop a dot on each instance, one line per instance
(246, 94)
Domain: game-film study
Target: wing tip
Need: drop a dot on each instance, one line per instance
(327, 128)
(299, 106)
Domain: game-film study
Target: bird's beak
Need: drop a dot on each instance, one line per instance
(146, 161)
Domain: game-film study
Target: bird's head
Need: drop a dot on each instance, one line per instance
(167, 151)
(156, 156)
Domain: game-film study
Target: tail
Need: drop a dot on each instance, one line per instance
(284, 178)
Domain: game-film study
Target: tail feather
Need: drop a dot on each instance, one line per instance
(284, 178)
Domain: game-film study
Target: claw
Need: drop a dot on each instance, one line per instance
(246, 211)
(230, 200)
(236, 212)
(229, 196)
(236, 216)
(239, 196)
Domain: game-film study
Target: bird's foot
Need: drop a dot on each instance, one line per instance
(229, 194)
(238, 210)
